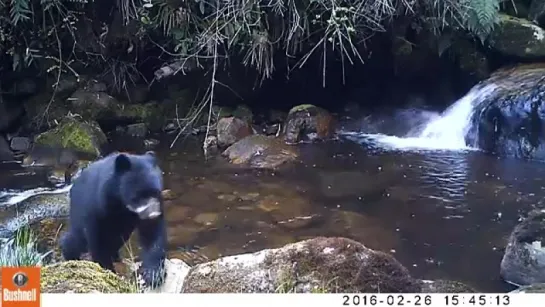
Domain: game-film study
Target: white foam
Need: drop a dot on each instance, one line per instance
(17, 197)
(446, 131)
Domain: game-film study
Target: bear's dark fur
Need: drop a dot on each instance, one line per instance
(110, 198)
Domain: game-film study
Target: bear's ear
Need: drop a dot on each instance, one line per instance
(122, 163)
(151, 157)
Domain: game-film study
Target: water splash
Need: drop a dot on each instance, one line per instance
(446, 131)
(9, 198)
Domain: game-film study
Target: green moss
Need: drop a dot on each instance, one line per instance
(518, 37)
(243, 112)
(301, 107)
(154, 114)
(82, 277)
(70, 133)
(341, 270)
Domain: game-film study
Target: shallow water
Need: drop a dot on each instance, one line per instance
(443, 214)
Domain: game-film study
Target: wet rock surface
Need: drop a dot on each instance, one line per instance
(260, 151)
(33, 210)
(523, 263)
(307, 123)
(232, 129)
(509, 120)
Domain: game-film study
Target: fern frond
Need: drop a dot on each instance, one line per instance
(20, 11)
(482, 16)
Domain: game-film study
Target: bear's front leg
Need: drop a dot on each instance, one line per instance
(99, 246)
(153, 240)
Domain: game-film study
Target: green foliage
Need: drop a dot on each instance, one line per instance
(69, 33)
(482, 16)
(20, 11)
(478, 17)
(21, 250)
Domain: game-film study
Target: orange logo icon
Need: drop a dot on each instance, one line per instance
(20, 286)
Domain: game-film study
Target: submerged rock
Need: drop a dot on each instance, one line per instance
(82, 136)
(260, 151)
(315, 265)
(308, 123)
(518, 37)
(509, 119)
(524, 260)
(82, 277)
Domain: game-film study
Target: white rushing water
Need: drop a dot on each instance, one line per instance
(9, 198)
(445, 131)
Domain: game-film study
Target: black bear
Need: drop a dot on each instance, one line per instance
(111, 198)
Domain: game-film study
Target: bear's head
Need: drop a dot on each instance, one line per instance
(140, 183)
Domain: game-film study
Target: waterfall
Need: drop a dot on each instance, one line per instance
(444, 131)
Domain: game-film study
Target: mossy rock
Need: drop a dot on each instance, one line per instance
(319, 265)
(308, 123)
(518, 37)
(153, 114)
(243, 112)
(82, 277)
(301, 107)
(83, 136)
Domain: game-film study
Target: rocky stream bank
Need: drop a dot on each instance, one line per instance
(76, 127)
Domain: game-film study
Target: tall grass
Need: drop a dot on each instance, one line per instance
(22, 250)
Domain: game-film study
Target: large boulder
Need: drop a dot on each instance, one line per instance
(315, 265)
(518, 37)
(509, 114)
(260, 151)
(306, 123)
(232, 129)
(82, 136)
(524, 260)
